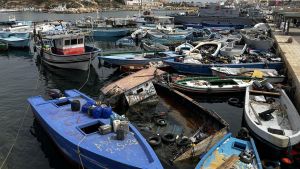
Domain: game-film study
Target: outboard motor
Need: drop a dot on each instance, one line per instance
(54, 93)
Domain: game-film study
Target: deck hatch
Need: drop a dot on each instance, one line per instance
(62, 103)
(239, 146)
(91, 127)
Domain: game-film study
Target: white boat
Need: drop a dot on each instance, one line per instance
(231, 49)
(257, 39)
(270, 75)
(212, 49)
(279, 127)
(69, 51)
(184, 48)
(140, 33)
(148, 45)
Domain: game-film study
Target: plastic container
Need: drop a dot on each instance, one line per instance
(97, 112)
(269, 86)
(106, 112)
(85, 107)
(116, 124)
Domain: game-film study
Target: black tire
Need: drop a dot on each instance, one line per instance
(75, 105)
(233, 101)
(161, 122)
(154, 141)
(168, 138)
(184, 142)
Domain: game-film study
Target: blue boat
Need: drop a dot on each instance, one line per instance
(229, 152)
(138, 58)
(110, 32)
(204, 69)
(76, 134)
(18, 40)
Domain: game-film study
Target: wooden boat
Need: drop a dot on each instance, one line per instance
(66, 51)
(137, 59)
(184, 48)
(81, 141)
(230, 49)
(229, 152)
(209, 48)
(272, 118)
(211, 85)
(148, 45)
(3, 46)
(204, 69)
(271, 75)
(18, 40)
(257, 40)
(110, 32)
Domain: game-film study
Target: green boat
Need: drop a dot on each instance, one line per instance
(212, 84)
(3, 46)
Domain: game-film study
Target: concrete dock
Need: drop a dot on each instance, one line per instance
(289, 49)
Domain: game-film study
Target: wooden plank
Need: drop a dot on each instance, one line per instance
(229, 162)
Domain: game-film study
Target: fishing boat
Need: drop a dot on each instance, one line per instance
(229, 152)
(3, 46)
(204, 69)
(149, 45)
(110, 32)
(87, 137)
(184, 48)
(66, 51)
(272, 117)
(231, 49)
(125, 41)
(211, 84)
(257, 40)
(18, 40)
(137, 59)
(206, 48)
(271, 75)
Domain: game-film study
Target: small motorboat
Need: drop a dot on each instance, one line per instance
(231, 152)
(231, 49)
(66, 51)
(271, 75)
(138, 58)
(83, 131)
(149, 45)
(18, 39)
(211, 84)
(271, 116)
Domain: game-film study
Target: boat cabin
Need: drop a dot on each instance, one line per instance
(68, 44)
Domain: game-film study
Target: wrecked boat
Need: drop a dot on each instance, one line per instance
(208, 48)
(83, 132)
(272, 117)
(271, 75)
(257, 39)
(148, 45)
(231, 49)
(231, 152)
(184, 48)
(137, 59)
(211, 84)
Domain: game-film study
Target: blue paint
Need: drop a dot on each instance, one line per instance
(226, 147)
(15, 39)
(110, 32)
(204, 69)
(97, 151)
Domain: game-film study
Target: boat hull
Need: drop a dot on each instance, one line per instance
(110, 32)
(204, 69)
(81, 61)
(25, 43)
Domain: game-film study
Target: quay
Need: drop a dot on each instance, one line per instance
(288, 46)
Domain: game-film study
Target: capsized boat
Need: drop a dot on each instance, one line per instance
(211, 84)
(272, 117)
(271, 75)
(66, 51)
(149, 45)
(229, 152)
(87, 138)
(138, 59)
(231, 49)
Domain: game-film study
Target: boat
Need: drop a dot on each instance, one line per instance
(137, 59)
(270, 75)
(66, 51)
(184, 48)
(110, 32)
(148, 45)
(231, 49)
(229, 152)
(18, 40)
(196, 67)
(126, 41)
(172, 34)
(87, 137)
(272, 117)
(211, 84)
(139, 34)
(3, 46)
(257, 40)
(234, 38)
(206, 48)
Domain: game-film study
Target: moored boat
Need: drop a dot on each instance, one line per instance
(211, 84)
(184, 48)
(66, 51)
(271, 75)
(229, 152)
(148, 45)
(92, 142)
(3, 46)
(272, 117)
(18, 40)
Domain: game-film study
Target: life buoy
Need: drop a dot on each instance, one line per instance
(154, 140)
(168, 138)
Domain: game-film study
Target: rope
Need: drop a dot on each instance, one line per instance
(78, 151)
(19, 130)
